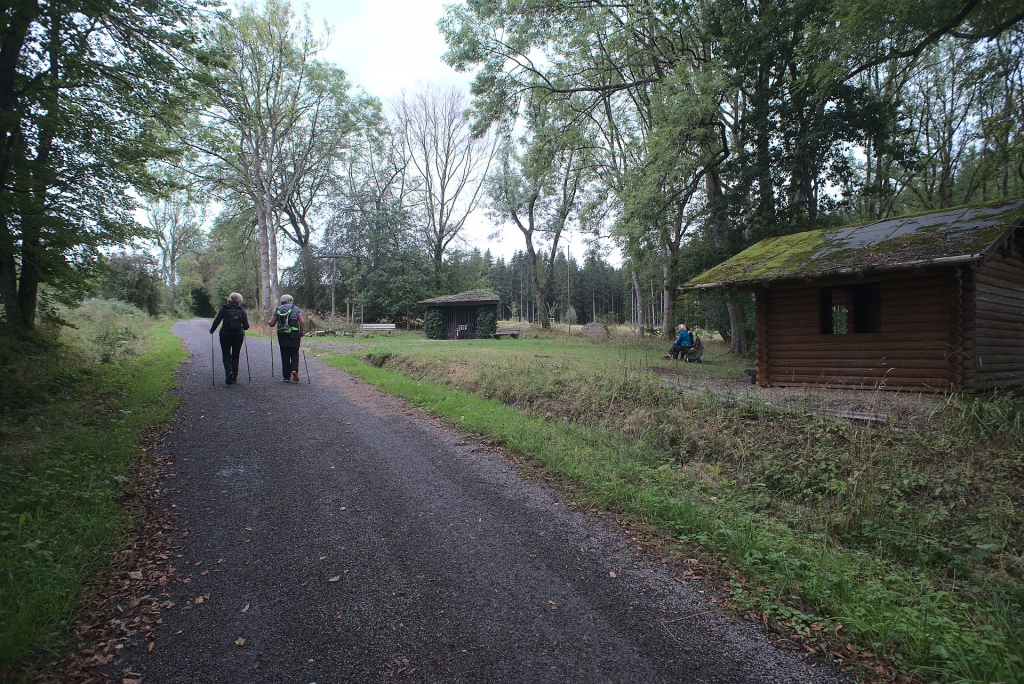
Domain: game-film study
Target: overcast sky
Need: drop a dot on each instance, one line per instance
(386, 46)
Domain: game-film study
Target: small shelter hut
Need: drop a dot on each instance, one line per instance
(463, 316)
(934, 301)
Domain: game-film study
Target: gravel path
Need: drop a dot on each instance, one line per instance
(348, 538)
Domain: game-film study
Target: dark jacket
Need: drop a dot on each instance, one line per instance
(230, 306)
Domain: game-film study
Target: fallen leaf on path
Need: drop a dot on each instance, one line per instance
(612, 575)
(245, 607)
(150, 645)
(335, 578)
(239, 642)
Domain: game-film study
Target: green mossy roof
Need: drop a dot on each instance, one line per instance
(948, 236)
(471, 298)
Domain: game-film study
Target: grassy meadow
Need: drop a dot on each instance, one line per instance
(76, 401)
(900, 542)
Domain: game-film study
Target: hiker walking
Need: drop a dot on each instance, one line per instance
(290, 323)
(232, 334)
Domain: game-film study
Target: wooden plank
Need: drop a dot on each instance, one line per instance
(845, 372)
(878, 342)
(992, 293)
(924, 384)
(858, 363)
(1013, 331)
(1001, 283)
(985, 359)
(850, 356)
(1007, 269)
(986, 315)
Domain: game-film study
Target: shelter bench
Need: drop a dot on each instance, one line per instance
(511, 332)
(378, 327)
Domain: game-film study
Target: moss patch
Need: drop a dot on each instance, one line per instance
(951, 233)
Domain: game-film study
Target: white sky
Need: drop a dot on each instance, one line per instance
(386, 46)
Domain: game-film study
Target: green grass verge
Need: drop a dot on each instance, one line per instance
(806, 576)
(69, 443)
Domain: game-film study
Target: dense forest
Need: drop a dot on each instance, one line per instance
(169, 152)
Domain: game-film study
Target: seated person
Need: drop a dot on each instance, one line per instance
(684, 343)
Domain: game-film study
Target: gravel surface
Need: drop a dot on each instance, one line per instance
(347, 537)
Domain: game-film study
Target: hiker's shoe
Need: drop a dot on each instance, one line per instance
(295, 376)
(287, 379)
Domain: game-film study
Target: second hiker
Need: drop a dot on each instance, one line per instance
(290, 323)
(232, 334)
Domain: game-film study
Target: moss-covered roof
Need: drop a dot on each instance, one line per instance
(471, 298)
(948, 236)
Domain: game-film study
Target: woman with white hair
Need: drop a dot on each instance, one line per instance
(290, 323)
(232, 335)
(684, 343)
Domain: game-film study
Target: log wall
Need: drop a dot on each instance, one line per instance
(996, 356)
(919, 322)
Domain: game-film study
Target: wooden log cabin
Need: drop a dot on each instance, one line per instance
(928, 302)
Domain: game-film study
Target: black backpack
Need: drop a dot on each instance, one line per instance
(287, 319)
(233, 318)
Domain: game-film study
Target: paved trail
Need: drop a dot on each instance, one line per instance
(450, 568)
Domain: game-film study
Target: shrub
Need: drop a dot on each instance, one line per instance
(486, 321)
(433, 323)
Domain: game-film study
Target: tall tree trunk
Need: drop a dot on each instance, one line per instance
(172, 279)
(275, 292)
(638, 295)
(9, 287)
(262, 230)
(737, 316)
(667, 300)
(538, 292)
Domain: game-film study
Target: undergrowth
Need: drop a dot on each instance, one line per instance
(75, 402)
(906, 541)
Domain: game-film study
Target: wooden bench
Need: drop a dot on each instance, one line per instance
(378, 327)
(511, 332)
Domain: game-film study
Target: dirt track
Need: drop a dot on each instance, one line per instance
(348, 538)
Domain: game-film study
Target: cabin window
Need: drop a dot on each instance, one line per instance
(851, 309)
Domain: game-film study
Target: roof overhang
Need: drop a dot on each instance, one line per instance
(951, 237)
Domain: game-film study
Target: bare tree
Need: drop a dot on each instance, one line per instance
(451, 164)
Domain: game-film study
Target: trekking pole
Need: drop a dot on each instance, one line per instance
(271, 336)
(248, 372)
(308, 380)
(213, 368)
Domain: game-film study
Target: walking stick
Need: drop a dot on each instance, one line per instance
(271, 353)
(245, 341)
(213, 369)
(310, 381)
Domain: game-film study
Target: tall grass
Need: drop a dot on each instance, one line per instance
(909, 538)
(75, 403)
